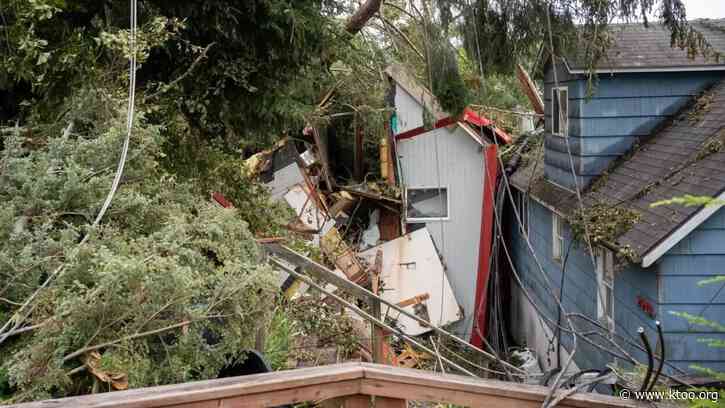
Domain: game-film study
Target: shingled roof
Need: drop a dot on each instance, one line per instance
(687, 156)
(639, 48)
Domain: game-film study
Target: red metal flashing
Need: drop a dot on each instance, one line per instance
(420, 130)
(481, 121)
(490, 174)
(469, 116)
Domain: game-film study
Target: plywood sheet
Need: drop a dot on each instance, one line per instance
(411, 267)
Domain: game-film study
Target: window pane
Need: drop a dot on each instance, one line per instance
(427, 203)
(555, 115)
(564, 110)
(608, 301)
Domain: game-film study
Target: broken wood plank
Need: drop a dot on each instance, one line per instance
(324, 159)
(414, 300)
(340, 253)
(529, 88)
(372, 196)
(360, 292)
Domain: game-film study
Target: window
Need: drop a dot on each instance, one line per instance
(427, 204)
(522, 207)
(557, 238)
(605, 288)
(560, 111)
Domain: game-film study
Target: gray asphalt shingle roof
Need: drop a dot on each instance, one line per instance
(687, 156)
(638, 47)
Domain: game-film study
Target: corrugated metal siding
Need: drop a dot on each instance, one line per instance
(580, 286)
(459, 165)
(606, 124)
(701, 255)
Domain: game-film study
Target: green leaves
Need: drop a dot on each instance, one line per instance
(689, 200)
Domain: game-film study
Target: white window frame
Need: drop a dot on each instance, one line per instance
(605, 280)
(428, 219)
(557, 236)
(522, 206)
(562, 131)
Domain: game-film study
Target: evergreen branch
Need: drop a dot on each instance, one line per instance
(125, 338)
(183, 76)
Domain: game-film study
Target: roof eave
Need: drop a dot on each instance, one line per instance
(651, 256)
(631, 70)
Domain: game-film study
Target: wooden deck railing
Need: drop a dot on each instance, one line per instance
(345, 385)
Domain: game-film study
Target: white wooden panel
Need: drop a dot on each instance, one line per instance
(450, 158)
(409, 112)
(411, 267)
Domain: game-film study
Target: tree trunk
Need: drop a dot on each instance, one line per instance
(358, 20)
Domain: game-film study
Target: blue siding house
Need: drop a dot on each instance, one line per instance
(651, 129)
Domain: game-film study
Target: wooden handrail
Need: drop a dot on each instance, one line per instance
(355, 381)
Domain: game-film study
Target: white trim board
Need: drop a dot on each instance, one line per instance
(680, 233)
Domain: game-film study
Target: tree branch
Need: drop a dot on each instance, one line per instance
(358, 20)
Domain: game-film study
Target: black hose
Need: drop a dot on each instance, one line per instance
(661, 340)
(650, 358)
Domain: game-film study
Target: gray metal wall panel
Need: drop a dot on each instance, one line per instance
(460, 168)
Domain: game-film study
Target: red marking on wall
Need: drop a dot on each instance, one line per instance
(646, 306)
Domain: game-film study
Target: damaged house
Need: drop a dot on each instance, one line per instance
(653, 129)
(447, 172)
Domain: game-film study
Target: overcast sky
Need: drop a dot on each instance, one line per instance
(704, 8)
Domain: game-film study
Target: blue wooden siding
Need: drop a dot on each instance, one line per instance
(580, 286)
(623, 108)
(699, 256)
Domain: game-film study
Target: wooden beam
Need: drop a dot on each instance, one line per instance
(529, 88)
(396, 382)
(358, 20)
(385, 402)
(198, 393)
(357, 401)
(355, 382)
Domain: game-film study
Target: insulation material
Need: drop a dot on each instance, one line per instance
(411, 268)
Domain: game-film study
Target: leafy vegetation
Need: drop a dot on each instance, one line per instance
(170, 287)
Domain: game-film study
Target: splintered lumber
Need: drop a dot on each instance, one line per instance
(370, 195)
(337, 250)
(414, 300)
(529, 88)
(325, 274)
(358, 20)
